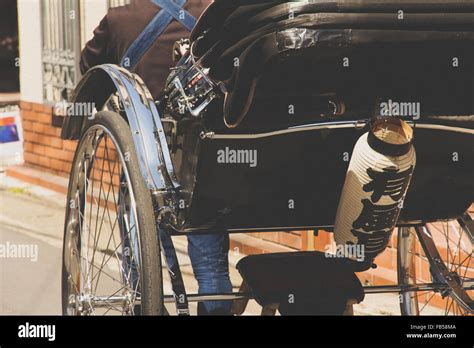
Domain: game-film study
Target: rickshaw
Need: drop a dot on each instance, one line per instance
(298, 82)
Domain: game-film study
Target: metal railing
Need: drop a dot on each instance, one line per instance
(62, 39)
(61, 48)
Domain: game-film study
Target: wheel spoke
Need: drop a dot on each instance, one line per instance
(102, 221)
(428, 301)
(96, 238)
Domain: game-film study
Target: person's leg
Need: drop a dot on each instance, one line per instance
(209, 256)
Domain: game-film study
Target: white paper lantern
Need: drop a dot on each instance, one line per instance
(377, 180)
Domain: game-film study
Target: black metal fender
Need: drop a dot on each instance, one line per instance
(97, 85)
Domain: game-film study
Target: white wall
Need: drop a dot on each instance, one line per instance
(29, 28)
(94, 11)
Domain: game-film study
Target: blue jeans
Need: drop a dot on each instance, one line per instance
(210, 262)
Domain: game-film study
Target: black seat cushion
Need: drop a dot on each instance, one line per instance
(302, 282)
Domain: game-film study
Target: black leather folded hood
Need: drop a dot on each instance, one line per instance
(255, 33)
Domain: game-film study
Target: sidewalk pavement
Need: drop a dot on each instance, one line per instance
(36, 213)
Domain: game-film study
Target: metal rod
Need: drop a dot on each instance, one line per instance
(382, 289)
(379, 289)
(211, 297)
(325, 125)
(104, 301)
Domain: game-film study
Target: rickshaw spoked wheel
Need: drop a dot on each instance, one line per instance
(111, 253)
(441, 273)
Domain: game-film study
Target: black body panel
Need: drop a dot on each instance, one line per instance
(427, 58)
(309, 168)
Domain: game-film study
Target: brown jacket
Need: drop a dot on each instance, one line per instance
(119, 29)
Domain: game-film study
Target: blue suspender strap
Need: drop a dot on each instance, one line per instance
(170, 9)
(178, 13)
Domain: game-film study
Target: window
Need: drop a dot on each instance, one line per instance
(61, 48)
(116, 3)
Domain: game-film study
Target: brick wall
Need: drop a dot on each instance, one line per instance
(43, 146)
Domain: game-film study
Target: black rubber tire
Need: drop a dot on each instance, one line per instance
(152, 282)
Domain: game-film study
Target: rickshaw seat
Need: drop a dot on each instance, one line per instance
(302, 282)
